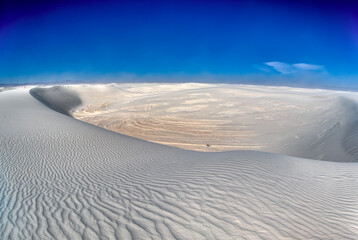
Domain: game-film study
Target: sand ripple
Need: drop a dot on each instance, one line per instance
(64, 179)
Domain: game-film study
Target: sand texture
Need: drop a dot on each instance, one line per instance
(307, 123)
(61, 178)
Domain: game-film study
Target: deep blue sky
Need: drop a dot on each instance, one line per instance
(314, 42)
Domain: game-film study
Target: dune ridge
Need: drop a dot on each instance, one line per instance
(314, 124)
(61, 178)
(59, 98)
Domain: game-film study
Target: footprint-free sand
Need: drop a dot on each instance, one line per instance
(62, 178)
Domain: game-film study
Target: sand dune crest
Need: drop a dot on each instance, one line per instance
(61, 178)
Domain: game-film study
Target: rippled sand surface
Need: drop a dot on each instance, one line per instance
(61, 178)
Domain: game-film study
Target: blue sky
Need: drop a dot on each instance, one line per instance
(284, 42)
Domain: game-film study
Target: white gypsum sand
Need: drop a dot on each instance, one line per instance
(306, 123)
(61, 178)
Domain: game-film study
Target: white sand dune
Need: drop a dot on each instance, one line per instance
(307, 123)
(61, 178)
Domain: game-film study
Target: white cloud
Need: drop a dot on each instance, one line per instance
(281, 67)
(306, 66)
(286, 68)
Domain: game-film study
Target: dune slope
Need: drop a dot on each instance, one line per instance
(307, 123)
(60, 99)
(61, 178)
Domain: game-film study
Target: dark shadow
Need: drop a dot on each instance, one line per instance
(60, 99)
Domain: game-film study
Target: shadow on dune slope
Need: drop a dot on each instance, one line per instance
(60, 99)
(337, 139)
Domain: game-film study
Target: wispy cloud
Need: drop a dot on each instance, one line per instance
(281, 67)
(308, 67)
(286, 68)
